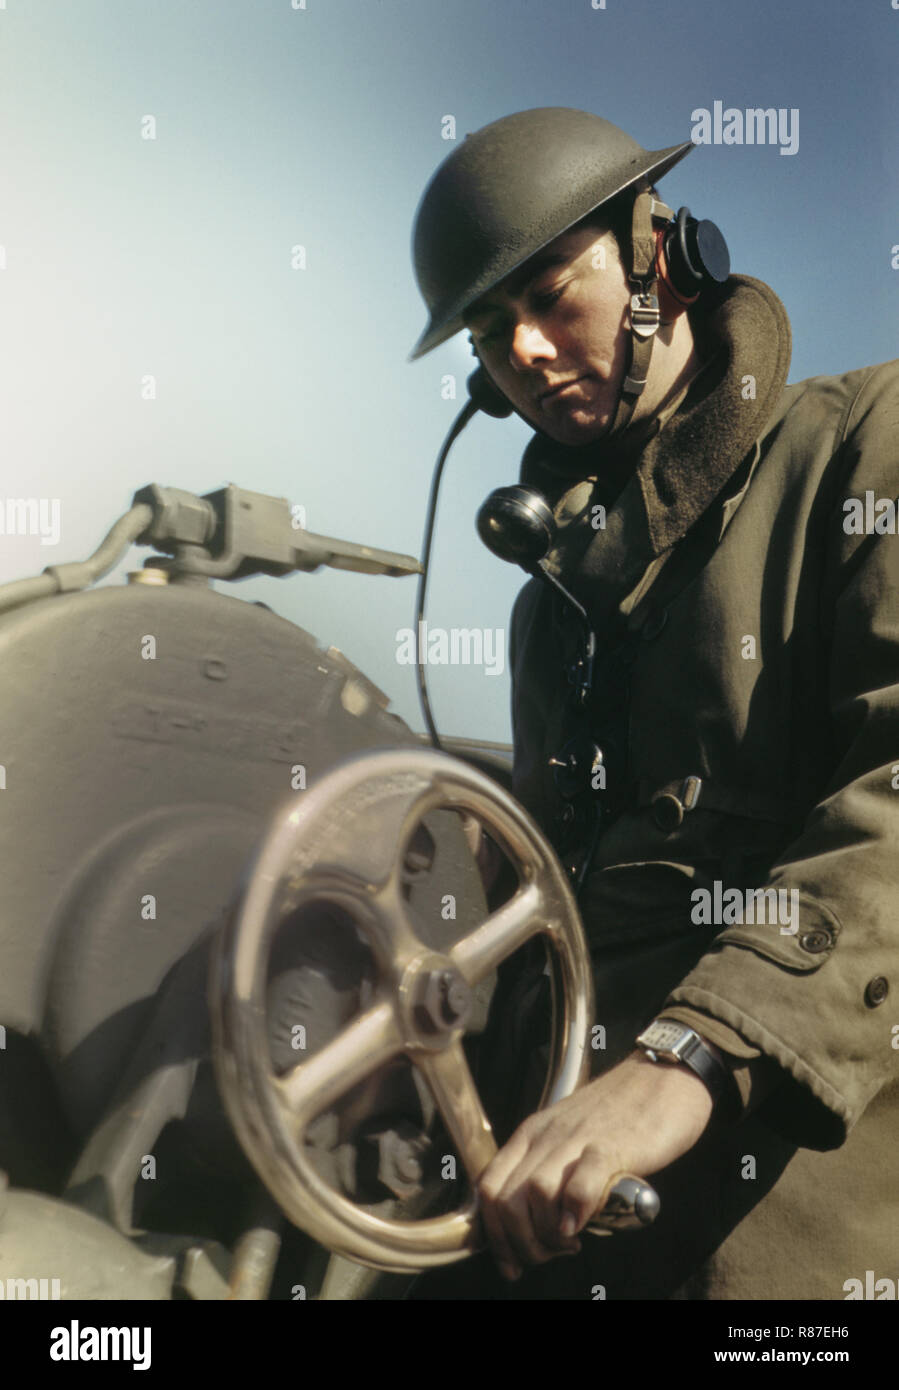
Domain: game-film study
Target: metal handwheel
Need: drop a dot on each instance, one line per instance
(344, 843)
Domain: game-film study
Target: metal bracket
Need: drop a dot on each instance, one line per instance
(234, 533)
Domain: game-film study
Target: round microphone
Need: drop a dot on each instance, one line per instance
(516, 524)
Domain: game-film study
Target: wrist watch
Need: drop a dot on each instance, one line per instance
(665, 1040)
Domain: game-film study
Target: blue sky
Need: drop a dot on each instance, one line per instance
(320, 126)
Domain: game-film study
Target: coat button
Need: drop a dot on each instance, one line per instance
(667, 812)
(816, 941)
(654, 624)
(876, 991)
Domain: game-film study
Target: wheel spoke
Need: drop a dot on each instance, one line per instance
(502, 933)
(366, 1044)
(342, 842)
(448, 1075)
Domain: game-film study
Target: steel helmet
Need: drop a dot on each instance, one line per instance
(507, 191)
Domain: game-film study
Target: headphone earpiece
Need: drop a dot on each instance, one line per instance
(671, 303)
(485, 394)
(690, 255)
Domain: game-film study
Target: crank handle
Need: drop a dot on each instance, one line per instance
(631, 1204)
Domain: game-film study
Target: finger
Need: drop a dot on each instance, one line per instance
(544, 1190)
(504, 1163)
(505, 1204)
(585, 1191)
(492, 1181)
(514, 1213)
(494, 1230)
(494, 1187)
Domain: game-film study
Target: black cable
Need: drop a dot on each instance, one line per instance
(456, 428)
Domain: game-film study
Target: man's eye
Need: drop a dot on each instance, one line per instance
(541, 300)
(544, 298)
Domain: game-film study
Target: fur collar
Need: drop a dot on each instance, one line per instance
(656, 485)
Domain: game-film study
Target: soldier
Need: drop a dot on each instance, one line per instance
(740, 884)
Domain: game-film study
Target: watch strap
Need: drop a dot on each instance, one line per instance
(706, 1061)
(702, 1057)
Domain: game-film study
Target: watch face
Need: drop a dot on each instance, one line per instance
(664, 1034)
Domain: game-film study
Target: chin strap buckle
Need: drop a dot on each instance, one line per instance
(645, 317)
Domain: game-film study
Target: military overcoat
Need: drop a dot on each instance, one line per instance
(747, 565)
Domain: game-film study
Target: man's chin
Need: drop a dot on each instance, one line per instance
(571, 430)
(574, 432)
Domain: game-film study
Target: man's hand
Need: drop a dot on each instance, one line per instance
(547, 1183)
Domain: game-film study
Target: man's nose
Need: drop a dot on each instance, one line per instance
(529, 345)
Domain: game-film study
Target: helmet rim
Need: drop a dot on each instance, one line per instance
(630, 164)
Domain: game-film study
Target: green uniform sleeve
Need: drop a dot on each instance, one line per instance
(812, 1001)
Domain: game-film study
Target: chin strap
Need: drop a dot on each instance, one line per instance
(644, 310)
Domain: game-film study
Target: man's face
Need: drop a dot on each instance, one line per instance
(554, 335)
